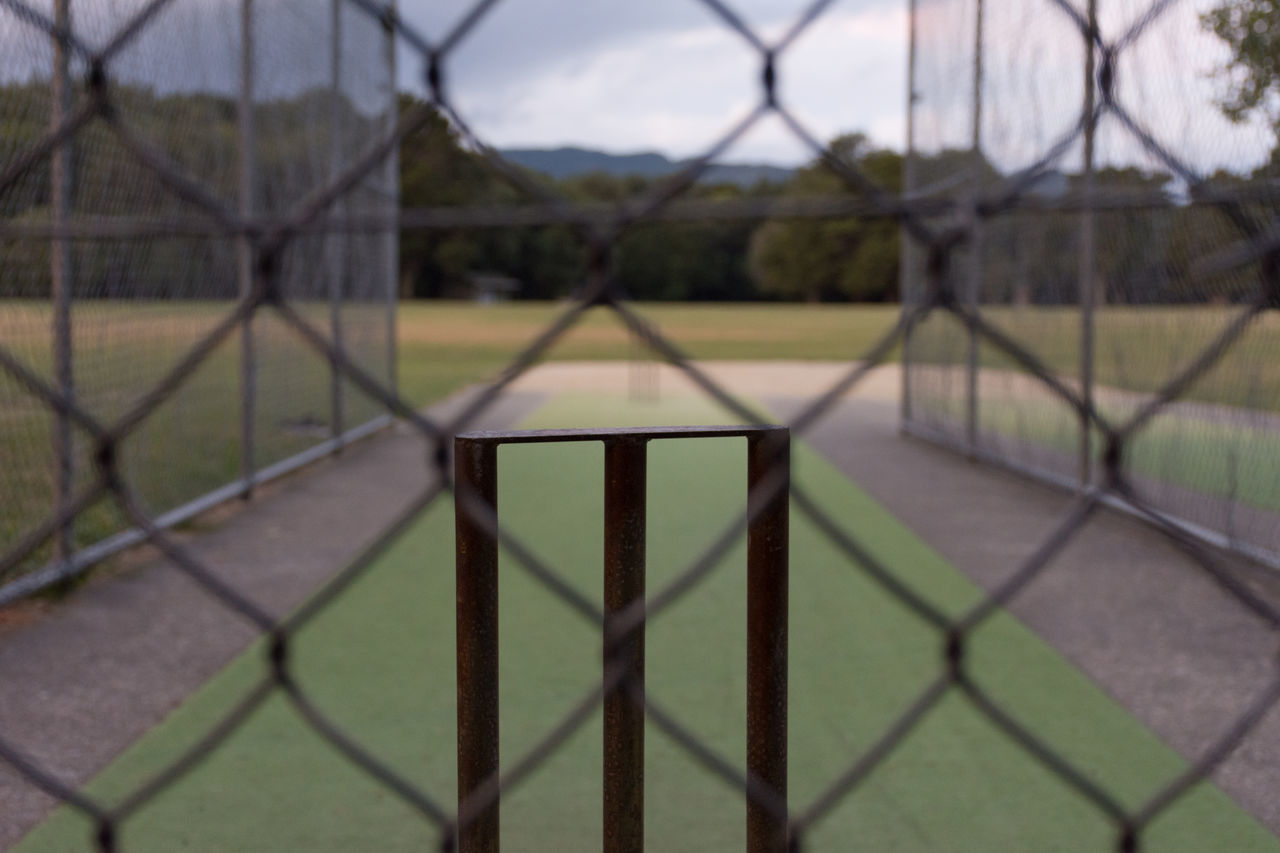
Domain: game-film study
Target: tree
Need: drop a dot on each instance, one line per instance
(832, 259)
(1251, 29)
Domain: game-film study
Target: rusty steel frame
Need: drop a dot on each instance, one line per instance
(625, 495)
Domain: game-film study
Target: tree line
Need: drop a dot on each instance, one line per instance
(711, 260)
(1027, 257)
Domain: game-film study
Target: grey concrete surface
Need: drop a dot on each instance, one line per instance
(85, 679)
(1120, 601)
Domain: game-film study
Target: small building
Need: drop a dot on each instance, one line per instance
(488, 288)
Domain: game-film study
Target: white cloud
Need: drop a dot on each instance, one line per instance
(680, 91)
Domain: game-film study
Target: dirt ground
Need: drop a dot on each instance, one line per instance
(99, 669)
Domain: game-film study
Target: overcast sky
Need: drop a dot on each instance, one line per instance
(668, 75)
(624, 75)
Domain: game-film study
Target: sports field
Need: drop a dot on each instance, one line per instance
(124, 347)
(380, 662)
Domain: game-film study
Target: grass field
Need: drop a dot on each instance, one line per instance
(441, 342)
(124, 347)
(380, 662)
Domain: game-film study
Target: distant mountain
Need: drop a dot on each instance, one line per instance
(566, 162)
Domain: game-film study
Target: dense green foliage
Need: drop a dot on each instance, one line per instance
(832, 258)
(1251, 29)
(656, 261)
(722, 260)
(1028, 257)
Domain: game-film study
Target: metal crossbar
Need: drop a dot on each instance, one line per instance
(625, 491)
(936, 240)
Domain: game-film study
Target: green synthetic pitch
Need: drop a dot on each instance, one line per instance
(380, 663)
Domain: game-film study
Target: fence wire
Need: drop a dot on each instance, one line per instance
(1113, 300)
(944, 235)
(178, 91)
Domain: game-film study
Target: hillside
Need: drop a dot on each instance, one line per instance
(560, 163)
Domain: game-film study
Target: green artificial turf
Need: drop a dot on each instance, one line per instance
(380, 662)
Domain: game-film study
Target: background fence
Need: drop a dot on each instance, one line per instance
(1108, 264)
(110, 272)
(271, 250)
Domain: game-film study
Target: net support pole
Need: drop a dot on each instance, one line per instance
(245, 248)
(476, 482)
(973, 296)
(335, 260)
(391, 191)
(1087, 274)
(624, 584)
(768, 480)
(907, 272)
(61, 280)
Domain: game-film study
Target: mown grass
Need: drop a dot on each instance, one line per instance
(191, 444)
(1137, 349)
(445, 344)
(380, 662)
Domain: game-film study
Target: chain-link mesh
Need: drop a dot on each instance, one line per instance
(956, 216)
(172, 95)
(1098, 265)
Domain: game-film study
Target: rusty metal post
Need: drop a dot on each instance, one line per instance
(624, 582)
(768, 479)
(767, 583)
(476, 477)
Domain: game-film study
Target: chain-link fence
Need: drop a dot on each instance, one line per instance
(1111, 263)
(111, 270)
(945, 233)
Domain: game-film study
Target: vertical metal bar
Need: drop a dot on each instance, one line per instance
(245, 248)
(624, 583)
(335, 255)
(907, 272)
(61, 281)
(1087, 273)
(767, 585)
(476, 477)
(976, 237)
(391, 238)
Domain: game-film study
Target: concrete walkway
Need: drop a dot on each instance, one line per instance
(91, 675)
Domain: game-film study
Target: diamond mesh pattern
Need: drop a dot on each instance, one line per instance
(937, 233)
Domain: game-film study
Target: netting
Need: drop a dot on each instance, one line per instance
(279, 236)
(1101, 266)
(135, 286)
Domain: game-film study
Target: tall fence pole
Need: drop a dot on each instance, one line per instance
(61, 280)
(335, 257)
(391, 239)
(906, 276)
(625, 485)
(1087, 274)
(245, 248)
(973, 297)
